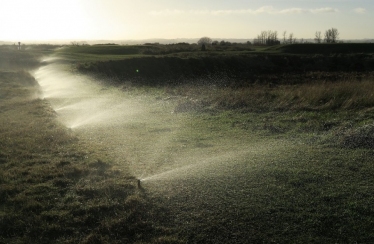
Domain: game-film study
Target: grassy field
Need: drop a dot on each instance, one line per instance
(54, 188)
(285, 64)
(325, 48)
(306, 178)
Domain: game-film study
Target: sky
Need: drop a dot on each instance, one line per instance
(25, 20)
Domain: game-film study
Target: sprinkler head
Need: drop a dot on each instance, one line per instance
(139, 186)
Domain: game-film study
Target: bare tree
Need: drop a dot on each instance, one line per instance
(284, 37)
(334, 35)
(204, 40)
(275, 36)
(331, 35)
(318, 37)
(263, 36)
(272, 38)
(267, 38)
(291, 38)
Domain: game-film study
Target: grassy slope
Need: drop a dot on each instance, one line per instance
(341, 48)
(285, 64)
(320, 192)
(54, 188)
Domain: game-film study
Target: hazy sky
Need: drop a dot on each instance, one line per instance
(22, 20)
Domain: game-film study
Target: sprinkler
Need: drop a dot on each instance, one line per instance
(139, 186)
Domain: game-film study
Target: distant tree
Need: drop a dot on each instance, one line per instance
(291, 38)
(335, 34)
(272, 38)
(263, 36)
(318, 37)
(204, 40)
(284, 37)
(223, 43)
(267, 38)
(203, 48)
(331, 35)
(215, 43)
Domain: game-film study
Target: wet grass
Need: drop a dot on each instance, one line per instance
(54, 188)
(307, 176)
(304, 179)
(12, 59)
(305, 195)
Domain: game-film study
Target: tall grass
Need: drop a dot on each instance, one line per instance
(307, 96)
(335, 95)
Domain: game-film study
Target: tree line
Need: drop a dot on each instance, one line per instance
(271, 38)
(331, 36)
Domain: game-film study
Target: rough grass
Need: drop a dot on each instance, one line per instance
(12, 59)
(315, 192)
(308, 195)
(318, 96)
(324, 48)
(338, 113)
(54, 188)
(230, 70)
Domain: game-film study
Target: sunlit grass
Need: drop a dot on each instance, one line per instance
(317, 96)
(262, 163)
(56, 188)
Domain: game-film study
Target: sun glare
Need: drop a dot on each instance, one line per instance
(42, 19)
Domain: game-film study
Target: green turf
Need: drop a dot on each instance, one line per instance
(299, 157)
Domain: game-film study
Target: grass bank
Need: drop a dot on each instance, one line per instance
(317, 192)
(325, 48)
(318, 84)
(314, 96)
(55, 188)
(231, 70)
